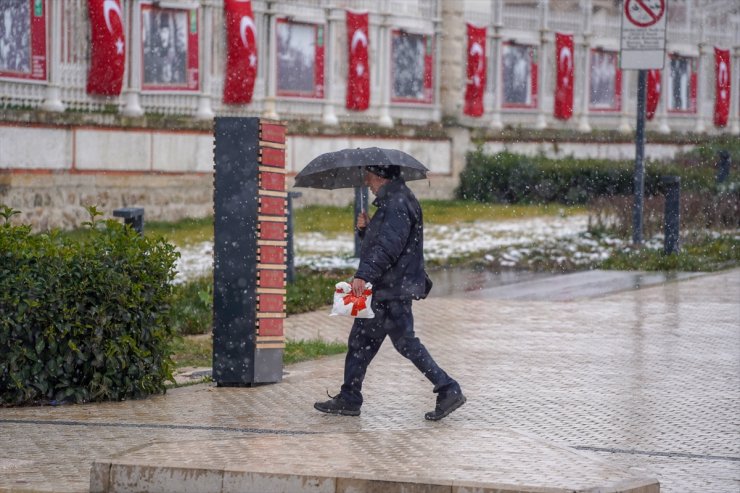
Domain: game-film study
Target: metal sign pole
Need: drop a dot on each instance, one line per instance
(361, 199)
(639, 179)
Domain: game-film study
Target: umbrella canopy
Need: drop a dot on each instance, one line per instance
(344, 169)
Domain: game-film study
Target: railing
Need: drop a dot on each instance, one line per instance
(69, 52)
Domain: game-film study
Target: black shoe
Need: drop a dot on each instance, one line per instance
(445, 405)
(337, 405)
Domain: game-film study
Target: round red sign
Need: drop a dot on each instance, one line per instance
(644, 13)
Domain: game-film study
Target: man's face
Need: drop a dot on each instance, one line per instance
(374, 182)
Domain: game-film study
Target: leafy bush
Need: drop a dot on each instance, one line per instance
(514, 178)
(83, 319)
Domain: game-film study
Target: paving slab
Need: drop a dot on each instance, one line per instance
(646, 380)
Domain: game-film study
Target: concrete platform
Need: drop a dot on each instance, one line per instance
(429, 460)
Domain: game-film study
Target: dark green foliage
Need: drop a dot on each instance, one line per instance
(83, 319)
(703, 254)
(514, 178)
(192, 306)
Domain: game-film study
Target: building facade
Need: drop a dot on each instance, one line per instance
(408, 73)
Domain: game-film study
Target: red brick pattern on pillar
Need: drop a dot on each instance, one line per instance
(272, 237)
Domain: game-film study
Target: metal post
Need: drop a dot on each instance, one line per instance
(290, 254)
(639, 181)
(360, 206)
(723, 166)
(672, 191)
(132, 216)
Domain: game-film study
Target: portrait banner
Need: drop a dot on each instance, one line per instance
(653, 93)
(108, 48)
(23, 39)
(476, 73)
(241, 52)
(722, 87)
(170, 47)
(564, 76)
(411, 72)
(300, 59)
(358, 67)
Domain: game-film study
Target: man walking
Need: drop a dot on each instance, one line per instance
(392, 259)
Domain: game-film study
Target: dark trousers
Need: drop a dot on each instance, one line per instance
(393, 319)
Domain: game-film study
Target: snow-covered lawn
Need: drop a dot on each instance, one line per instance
(507, 242)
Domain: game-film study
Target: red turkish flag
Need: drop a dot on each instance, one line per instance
(241, 52)
(476, 82)
(358, 68)
(108, 51)
(653, 93)
(564, 76)
(722, 86)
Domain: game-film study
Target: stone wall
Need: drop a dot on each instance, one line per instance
(51, 170)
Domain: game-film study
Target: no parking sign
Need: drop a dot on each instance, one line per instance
(643, 34)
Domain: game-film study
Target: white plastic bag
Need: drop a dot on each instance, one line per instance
(349, 305)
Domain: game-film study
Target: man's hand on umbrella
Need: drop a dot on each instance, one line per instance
(358, 286)
(362, 220)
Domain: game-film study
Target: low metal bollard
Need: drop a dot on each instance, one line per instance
(361, 200)
(671, 218)
(132, 216)
(290, 254)
(723, 165)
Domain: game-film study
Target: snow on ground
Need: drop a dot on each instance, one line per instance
(441, 242)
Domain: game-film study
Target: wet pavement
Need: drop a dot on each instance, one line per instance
(596, 390)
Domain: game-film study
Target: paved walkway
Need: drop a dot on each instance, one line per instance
(603, 390)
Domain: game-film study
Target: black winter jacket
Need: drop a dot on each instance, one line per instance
(392, 253)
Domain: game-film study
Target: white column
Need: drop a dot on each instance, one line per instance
(384, 48)
(269, 110)
(735, 82)
(436, 71)
(133, 52)
(585, 48)
(495, 61)
(543, 62)
(205, 111)
(701, 91)
(665, 95)
(329, 116)
(624, 122)
(52, 100)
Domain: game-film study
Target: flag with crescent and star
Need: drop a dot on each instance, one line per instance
(564, 76)
(654, 89)
(241, 57)
(358, 67)
(475, 85)
(108, 50)
(722, 86)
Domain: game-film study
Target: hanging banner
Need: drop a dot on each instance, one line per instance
(358, 67)
(564, 78)
(23, 39)
(108, 48)
(241, 52)
(653, 93)
(476, 73)
(722, 86)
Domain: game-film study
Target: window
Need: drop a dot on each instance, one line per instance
(682, 84)
(169, 39)
(412, 63)
(300, 59)
(519, 76)
(23, 39)
(605, 82)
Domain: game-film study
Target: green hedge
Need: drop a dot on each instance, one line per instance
(83, 319)
(514, 178)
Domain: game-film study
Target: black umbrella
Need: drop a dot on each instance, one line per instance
(344, 169)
